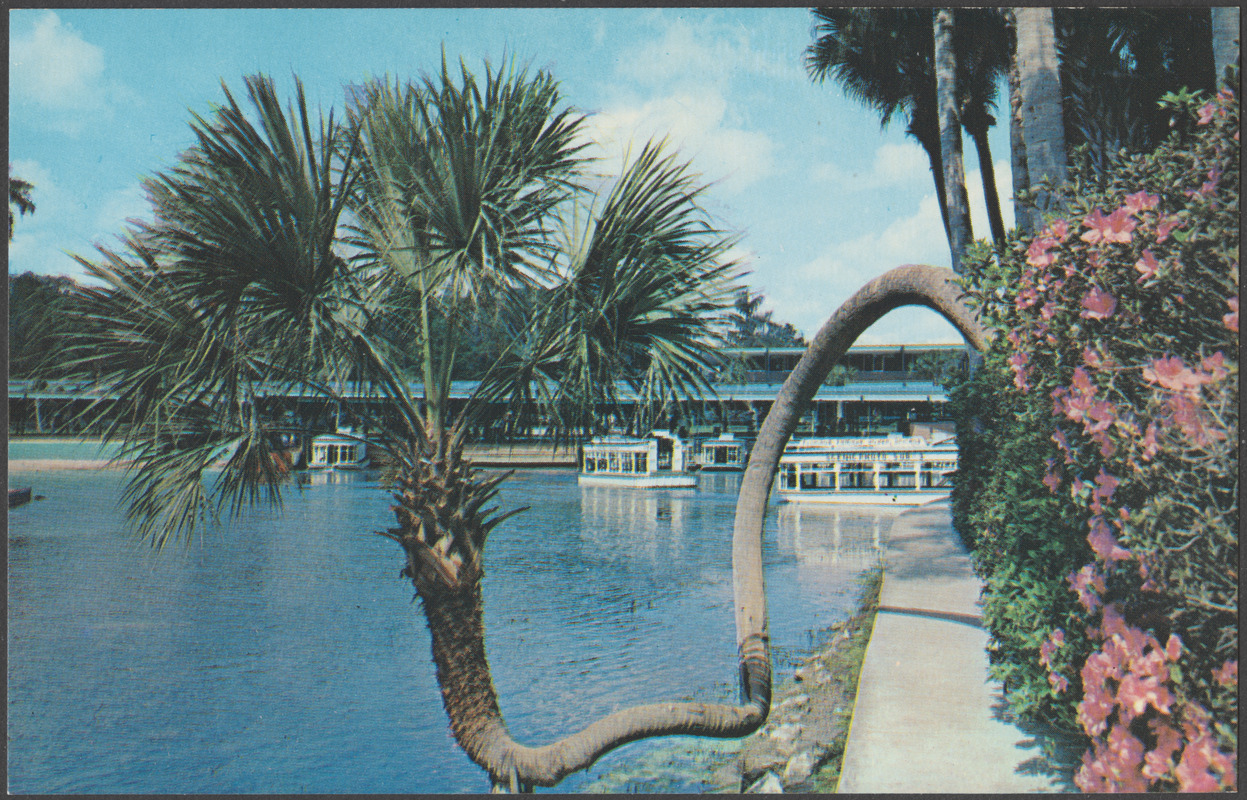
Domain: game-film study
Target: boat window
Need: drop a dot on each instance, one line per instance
(642, 462)
(614, 462)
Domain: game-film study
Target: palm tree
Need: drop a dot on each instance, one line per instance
(640, 300)
(884, 58)
(244, 284)
(945, 58)
(19, 195)
(1040, 91)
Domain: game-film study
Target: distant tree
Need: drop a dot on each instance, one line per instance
(751, 327)
(38, 314)
(19, 197)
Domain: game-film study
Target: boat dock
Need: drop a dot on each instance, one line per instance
(927, 719)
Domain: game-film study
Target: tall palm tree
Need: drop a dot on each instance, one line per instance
(245, 284)
(884, 58)
(19, 196)
(1040, 91)
(960, 234)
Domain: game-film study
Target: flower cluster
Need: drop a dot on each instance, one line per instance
(1120, 339)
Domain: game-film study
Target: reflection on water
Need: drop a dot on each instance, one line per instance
(838, 535)
(284, 654)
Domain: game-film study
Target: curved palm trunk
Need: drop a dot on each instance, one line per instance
(442, 527)
(906, 285)
(960, 233)
(471, 704)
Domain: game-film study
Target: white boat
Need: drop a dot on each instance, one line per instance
(656, 461)
(877, 470)
(340, 450)
(726, 453)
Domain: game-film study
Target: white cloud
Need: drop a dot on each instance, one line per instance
(54, 66)
(120, 206)
(893, 164)
(811, 292)
(680, 85)
(708, 52)
(61, 75)
(693, 124)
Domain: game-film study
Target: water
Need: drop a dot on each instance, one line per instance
(284, 654)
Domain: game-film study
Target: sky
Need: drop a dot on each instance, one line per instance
(821, 197)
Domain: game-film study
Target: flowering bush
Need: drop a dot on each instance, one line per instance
(1116, 372)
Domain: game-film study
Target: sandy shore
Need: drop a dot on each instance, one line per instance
(47, 464)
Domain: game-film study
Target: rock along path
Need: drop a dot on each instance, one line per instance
(927, 718)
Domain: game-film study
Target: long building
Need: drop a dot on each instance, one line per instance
(875, 389)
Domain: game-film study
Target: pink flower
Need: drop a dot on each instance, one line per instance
(1198, 428)
(1026, 298)
(1050, 645)
(1173, 374)
(1165, 226)
(1013, 338)
(1206, 112)
(1173, 647)
(1140, 201)
(1136, 694)
(1168, 740)
(1058, 229)
(1087, 583)
(1098, 304)
(1058, 682)
(1150, 447)
(1018, 362)
(1147, 266)
(1081, 383)
(1209, 186)
(1193, 773)
(1051, 478)
(1116, 227)
(1104, 543)
(1093, 711)
(1091, 358)
(1227, 675)
(1037, 254)
(1214, 365)
(1231, 319)
(1048, 311)
(1105, 484)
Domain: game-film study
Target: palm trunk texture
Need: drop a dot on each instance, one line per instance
(442, 529)
(960, 234)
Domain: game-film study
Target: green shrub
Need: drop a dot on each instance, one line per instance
(1112, 388)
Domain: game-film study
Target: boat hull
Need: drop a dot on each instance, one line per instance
(865, 498)
(654, 481)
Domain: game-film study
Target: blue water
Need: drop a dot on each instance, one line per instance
(283, 653)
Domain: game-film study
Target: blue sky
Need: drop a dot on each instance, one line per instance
(822, 199)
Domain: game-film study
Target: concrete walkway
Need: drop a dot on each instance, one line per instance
(927, 719)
